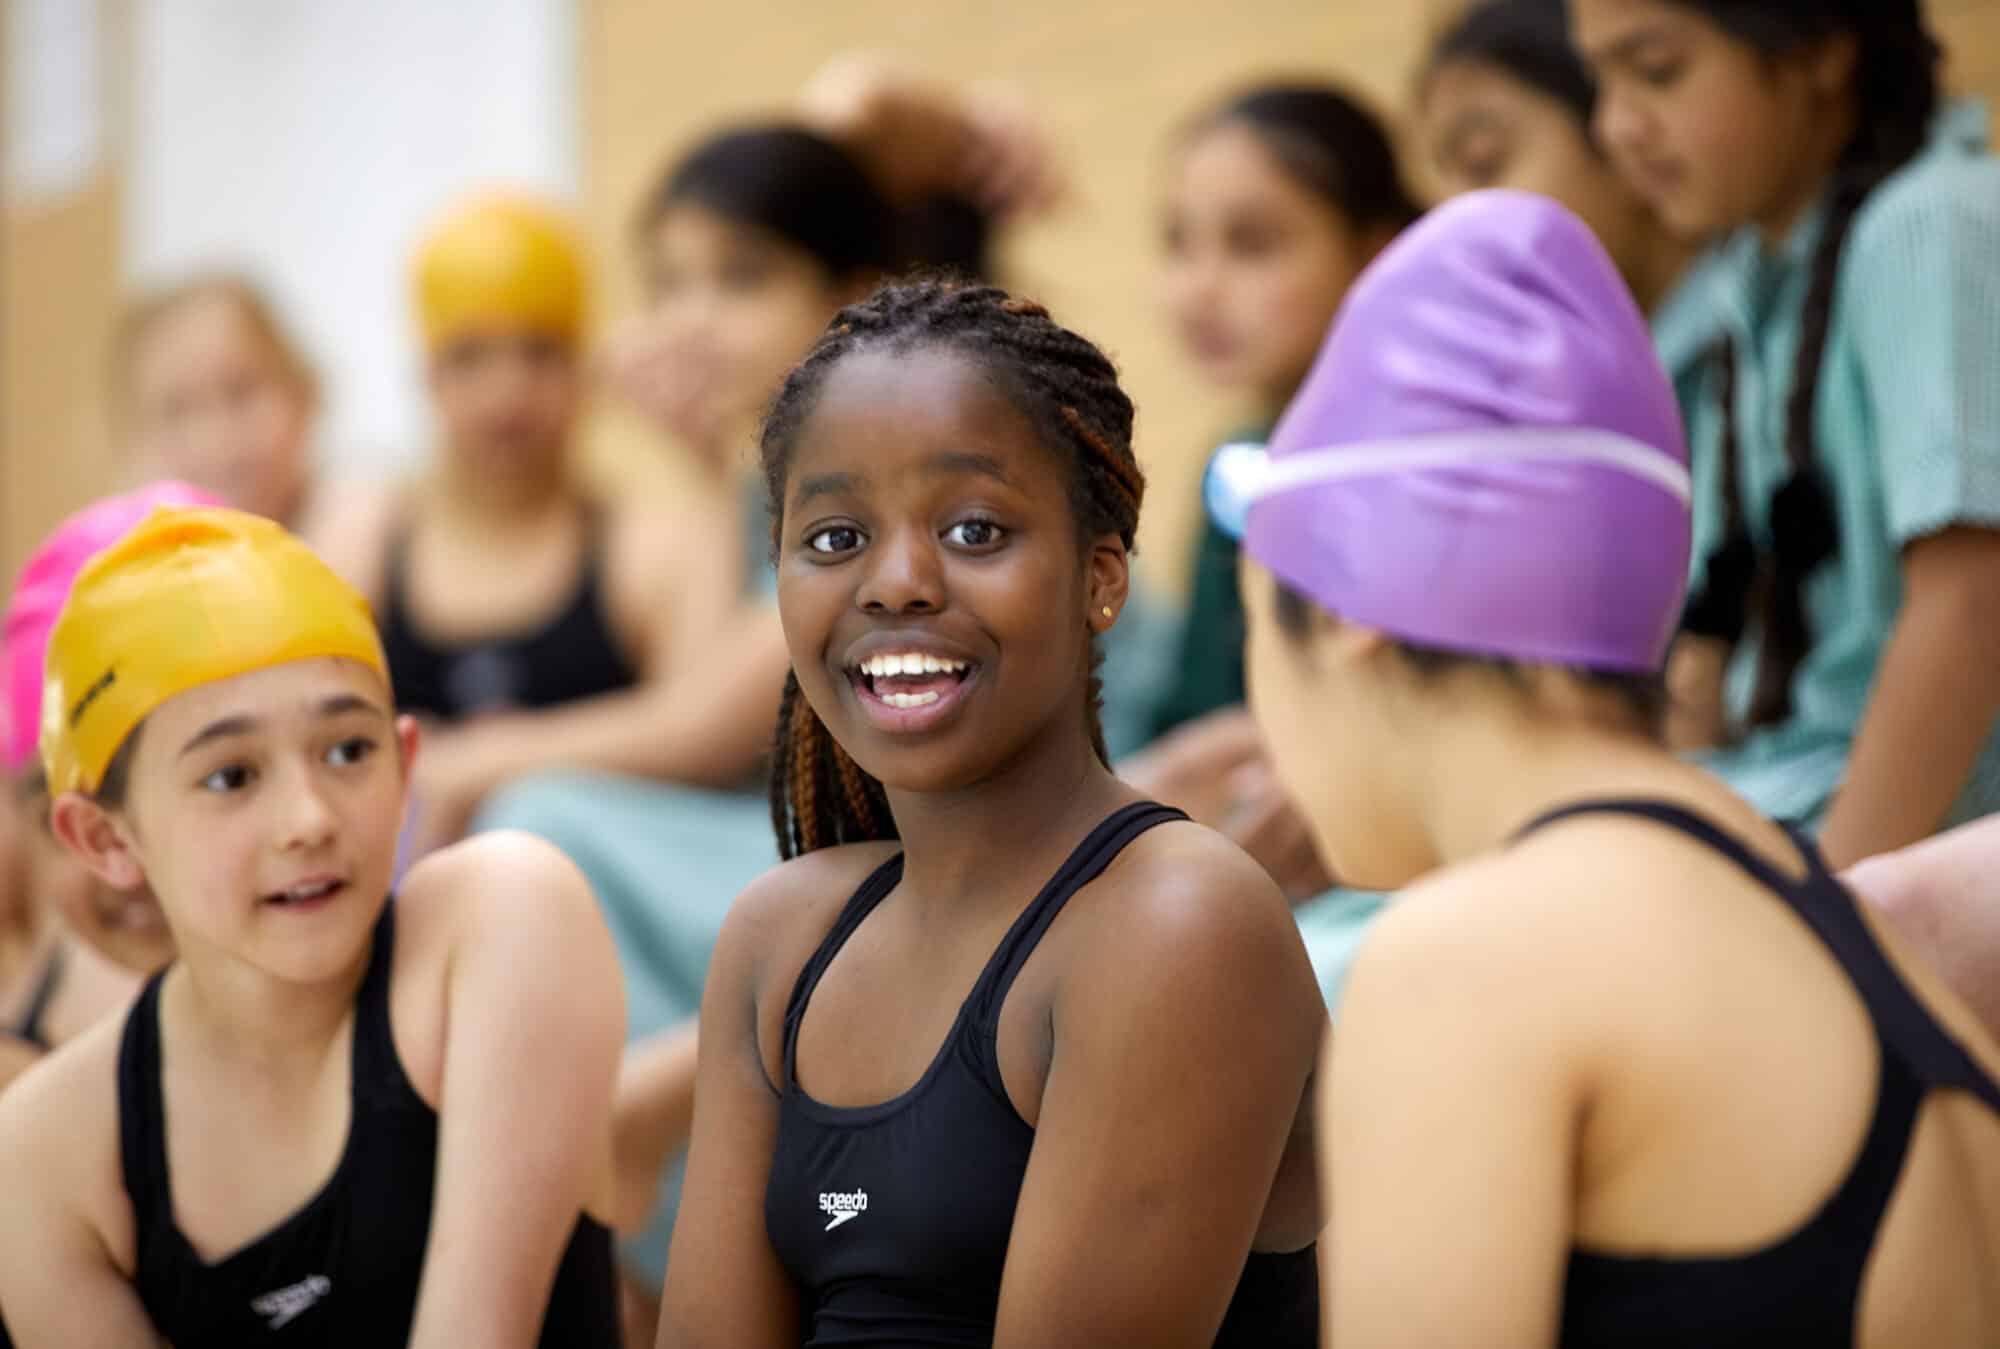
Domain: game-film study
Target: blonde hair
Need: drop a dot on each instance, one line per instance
(148, 311)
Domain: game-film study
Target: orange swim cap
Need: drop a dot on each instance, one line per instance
(190, 596)
(506, 262)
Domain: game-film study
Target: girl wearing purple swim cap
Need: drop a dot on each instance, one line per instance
(1625, 1064)
(1848, 446)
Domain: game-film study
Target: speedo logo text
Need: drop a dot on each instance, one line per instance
(841, 1208)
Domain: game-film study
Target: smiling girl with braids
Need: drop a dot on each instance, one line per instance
(1003, 1054)
(1848, 457)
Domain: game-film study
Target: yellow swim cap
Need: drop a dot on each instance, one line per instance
(502, 262)
(191, 595)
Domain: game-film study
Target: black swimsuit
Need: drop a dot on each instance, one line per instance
(343, 1270)
(893, 1219)
(574, 655)
(1805, 1288)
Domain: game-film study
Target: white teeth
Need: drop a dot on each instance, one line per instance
(910, 663)
(905, 701)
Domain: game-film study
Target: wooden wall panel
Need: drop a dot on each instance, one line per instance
(58, 300)
(1112, 77)
(58, 295)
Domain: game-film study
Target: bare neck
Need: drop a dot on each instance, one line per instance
(460, 503)
(1479, 777)
(976, 845)
(245, 1016)
(1659, 270)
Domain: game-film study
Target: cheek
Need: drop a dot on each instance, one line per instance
(554, 394)
(1295, 303)
(1730, 132)
(810, 600)
(1590, 187)
(1279, 695)
(276, 428)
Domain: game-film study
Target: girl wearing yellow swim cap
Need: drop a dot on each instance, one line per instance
(510, 594)
(336, 1117)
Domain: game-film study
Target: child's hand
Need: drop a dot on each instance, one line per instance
(924, 139)
(667, 381)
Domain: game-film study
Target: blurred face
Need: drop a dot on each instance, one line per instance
(123, 925)
(507, 402)
(1256, 264)
(263, 811)
(1324, 703)
(213, 405)
(935, 598)
(732, 309)
(1714, 134)
(1484, 128)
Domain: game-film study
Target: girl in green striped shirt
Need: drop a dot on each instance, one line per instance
(1848, 450)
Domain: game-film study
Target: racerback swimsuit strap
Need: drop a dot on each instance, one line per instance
(1916, 1054)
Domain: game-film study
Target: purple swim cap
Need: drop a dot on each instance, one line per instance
(44, 586)
(1487, 457)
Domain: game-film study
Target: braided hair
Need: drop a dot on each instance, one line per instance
(1897, 95)
(1069, 391)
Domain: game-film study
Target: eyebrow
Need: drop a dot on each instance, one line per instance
(952, 462)
(339, 705)
(945, 464)
(825, 485)
(1627, 49)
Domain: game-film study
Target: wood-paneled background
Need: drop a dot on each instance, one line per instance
(1113, 77)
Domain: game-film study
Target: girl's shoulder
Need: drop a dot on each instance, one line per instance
(499, 901)
(1183, 902)
(1946, 199)
(59, 1132)
(779, 919)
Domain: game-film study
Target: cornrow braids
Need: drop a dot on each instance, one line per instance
(1897, 95)
(1069, 391)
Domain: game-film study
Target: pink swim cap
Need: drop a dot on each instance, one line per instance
(1487, 457)
(44, 585)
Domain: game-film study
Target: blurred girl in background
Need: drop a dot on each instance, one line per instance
(1276, 199)
(1847, 448)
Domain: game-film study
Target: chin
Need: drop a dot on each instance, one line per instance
(922, 769)
(1359, 854)
(1689, 219)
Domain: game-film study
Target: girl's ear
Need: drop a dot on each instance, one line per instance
(408, 739)
(1108, 584)
(98, 838)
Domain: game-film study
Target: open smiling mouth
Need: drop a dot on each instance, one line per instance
(307, 895)
(910, 690)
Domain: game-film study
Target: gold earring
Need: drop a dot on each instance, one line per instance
(1106, 611)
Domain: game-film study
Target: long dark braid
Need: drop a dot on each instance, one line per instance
(1896, 79)
(1069, 391)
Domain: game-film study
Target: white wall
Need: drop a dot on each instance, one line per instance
(310, 141)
